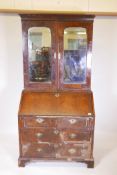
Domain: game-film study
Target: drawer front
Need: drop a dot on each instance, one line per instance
(71, 122)
(39, 122)
(57, 151)
(59, 122)
(38, 150)
(75, 135)
(40, 135)
(53, 135)
(75, 150)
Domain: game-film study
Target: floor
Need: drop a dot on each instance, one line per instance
(105, 154)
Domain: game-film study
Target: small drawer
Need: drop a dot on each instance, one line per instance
(38, 150)
(72, 122)
(40, 135)
(74, 150)
(38, 121)
(75, 135)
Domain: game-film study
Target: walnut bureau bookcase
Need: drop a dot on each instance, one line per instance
(56, 114)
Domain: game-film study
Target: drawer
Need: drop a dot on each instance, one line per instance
(75, 135)
(38, 121)
(74, 150)
(73, 122)
(57, 151)
(51, 135)
(59, 122)
(40, 135)
(38, 150)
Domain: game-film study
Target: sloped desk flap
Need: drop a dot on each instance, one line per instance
(62, 103)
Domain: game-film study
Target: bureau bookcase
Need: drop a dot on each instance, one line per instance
(56, 114)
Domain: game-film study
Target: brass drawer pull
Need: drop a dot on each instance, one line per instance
(73, 135)
(56, 132)
(39, 134)
(72, 121)
(39, 120)
(39, 149)
(72, 150)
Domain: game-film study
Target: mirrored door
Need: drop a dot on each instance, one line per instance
(40, 62)
(40, 54)
(74, 56)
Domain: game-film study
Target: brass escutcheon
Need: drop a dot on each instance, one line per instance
(72, 135)
(39, 149)
(39, 134)
(71, 150)
(39, 120)
(57, 94)
(56, 132)
(72, 121)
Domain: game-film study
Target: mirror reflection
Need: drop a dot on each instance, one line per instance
(39, 50)
(75, 49)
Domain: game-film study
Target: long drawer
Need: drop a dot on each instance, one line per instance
(51, 135)
(58, 151)
(59, 122)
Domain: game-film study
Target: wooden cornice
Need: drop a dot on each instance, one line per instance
(21, 11)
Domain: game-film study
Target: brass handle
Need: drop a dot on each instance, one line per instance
(39, 149)
(72, 135)
(39, 120)
(56, 132)
(39, 134)
(72, 121)
(72, 150)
